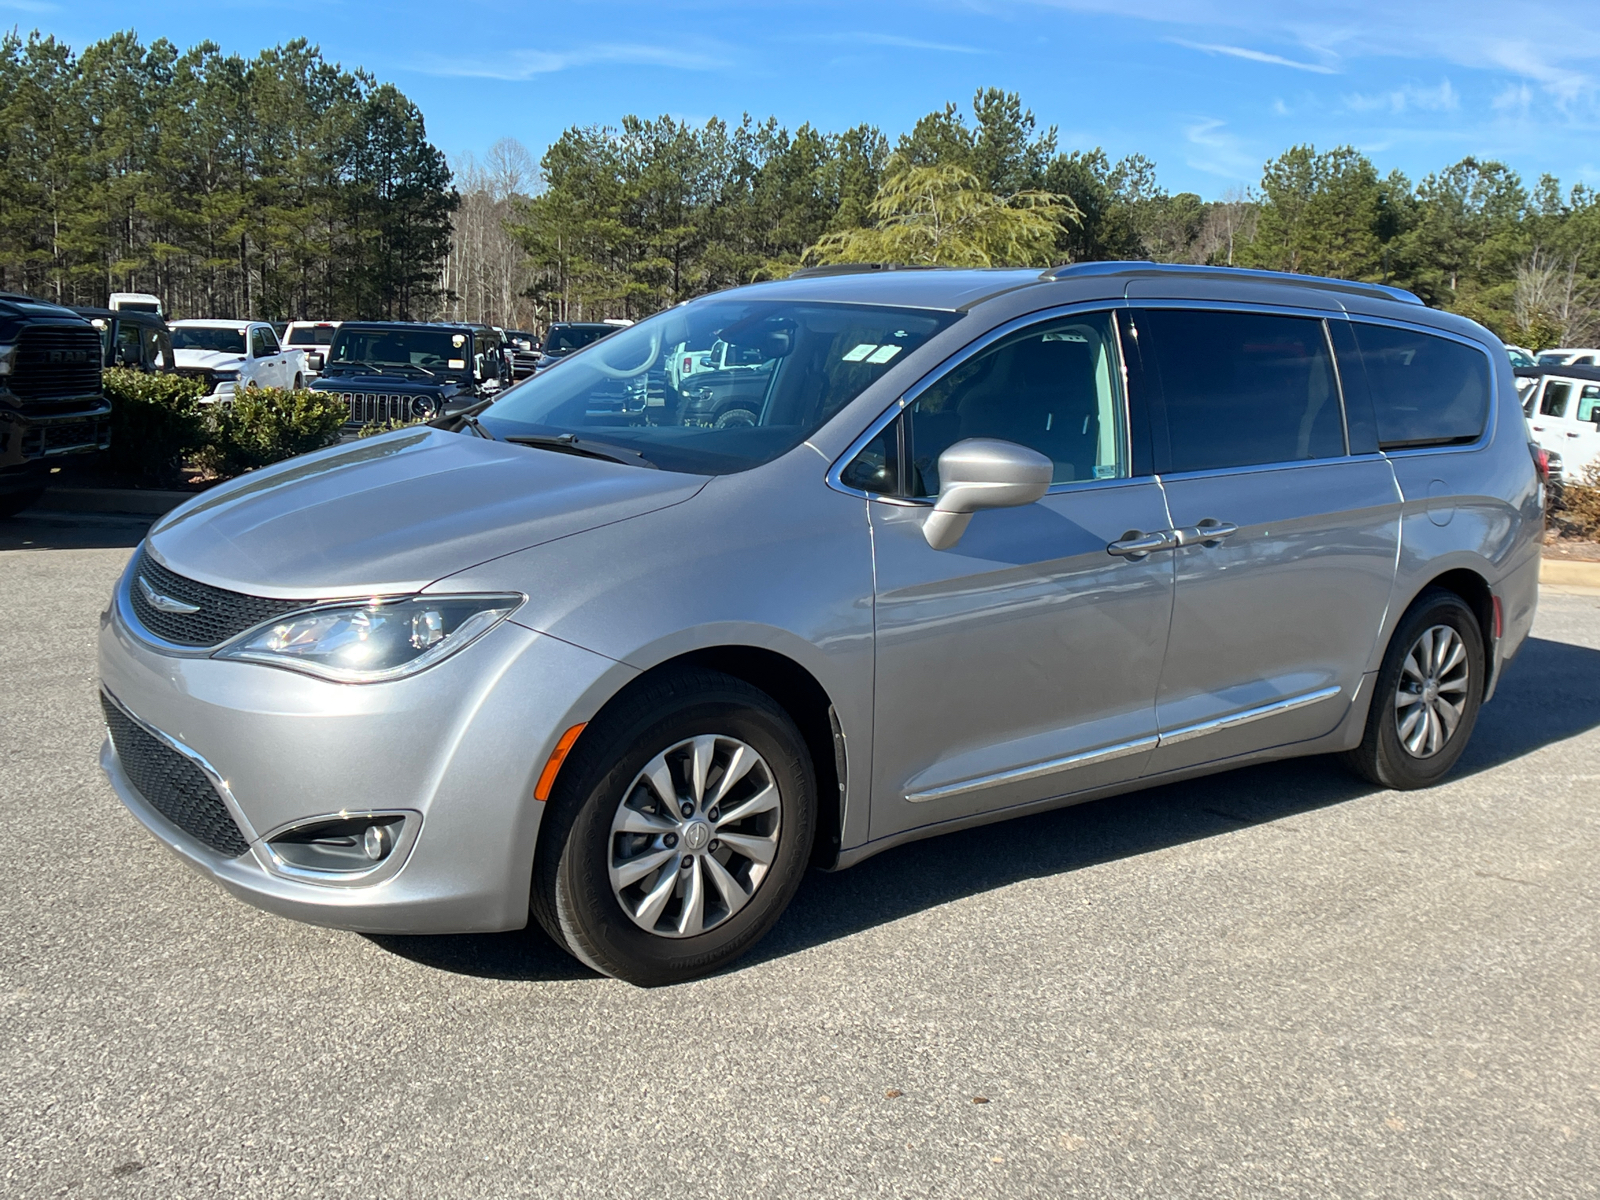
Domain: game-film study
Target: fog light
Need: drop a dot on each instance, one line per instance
(341, 846)
(377, 842)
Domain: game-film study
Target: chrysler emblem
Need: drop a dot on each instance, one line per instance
(165, 604)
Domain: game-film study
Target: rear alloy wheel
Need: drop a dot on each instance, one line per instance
(679, 828)
(1427, 697)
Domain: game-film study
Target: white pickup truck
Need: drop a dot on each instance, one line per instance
(233, 355)
(1563, 411)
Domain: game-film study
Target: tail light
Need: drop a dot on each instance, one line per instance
(1541, 461)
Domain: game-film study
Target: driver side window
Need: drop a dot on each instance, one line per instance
(258, 343)
(1055, 387)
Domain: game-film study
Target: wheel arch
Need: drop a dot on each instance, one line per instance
(800, 694)
(1476, 592)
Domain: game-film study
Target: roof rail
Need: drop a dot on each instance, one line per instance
(1380, 291)
(855, 269)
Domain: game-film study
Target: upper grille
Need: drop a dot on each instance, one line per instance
(57, 361)
(379, 406)
(172, 784)
(222, 615)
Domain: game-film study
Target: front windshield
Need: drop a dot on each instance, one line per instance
(565, 339)
(719, 385)
(224, 341)
(429, 349)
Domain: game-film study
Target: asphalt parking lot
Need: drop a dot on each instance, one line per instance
(1277, 982)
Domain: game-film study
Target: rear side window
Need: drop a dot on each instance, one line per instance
(1237, 389)
(1426, 390)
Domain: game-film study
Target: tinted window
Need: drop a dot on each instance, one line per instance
(795, 365)
(127, 351)
(311, 335)
(199, 337)
(1554, 402)
(1053, 387)
(1589, 403)
(563, 339)
(258, 343)
(1427, 390)
(1239, 389)
(416, 346)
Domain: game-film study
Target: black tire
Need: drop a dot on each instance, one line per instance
(11, 503)
(1383, 758)
(572, 896)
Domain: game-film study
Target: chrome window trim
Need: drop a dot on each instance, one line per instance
(1252, 468)
(213, 776)
(973, 348)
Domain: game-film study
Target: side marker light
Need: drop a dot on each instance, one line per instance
(547, 777)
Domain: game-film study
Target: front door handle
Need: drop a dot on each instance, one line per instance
(1137, 545)
(1208, 533)
(1570, 434)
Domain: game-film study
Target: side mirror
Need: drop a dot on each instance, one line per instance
(314, 362)
(981, 473)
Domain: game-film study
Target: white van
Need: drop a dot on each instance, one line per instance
(135, 302)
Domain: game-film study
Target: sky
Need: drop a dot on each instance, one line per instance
(1209, 89)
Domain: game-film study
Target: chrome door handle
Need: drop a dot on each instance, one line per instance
(1138, 545)
(1208, 533)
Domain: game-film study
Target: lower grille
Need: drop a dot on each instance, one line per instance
(172, 784)
(63, 437)
(221, 614)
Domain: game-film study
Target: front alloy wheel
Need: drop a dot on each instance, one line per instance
(678, 829)
(694, 836)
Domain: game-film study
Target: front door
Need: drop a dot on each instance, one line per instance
(1287, 542)
(1021, 664)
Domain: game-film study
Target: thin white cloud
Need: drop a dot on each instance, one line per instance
(901, 43)
(30, 6)
(1409, 97)
(521, 65)
(1218, 152)
(1260, 56)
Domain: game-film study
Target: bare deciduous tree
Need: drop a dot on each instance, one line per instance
(1552, 303)
(487, 272)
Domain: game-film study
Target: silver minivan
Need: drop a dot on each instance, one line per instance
(988, 542)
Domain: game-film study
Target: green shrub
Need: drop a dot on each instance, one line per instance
(1575, 507)
(156, 423)
(388, 425)
(268, 425)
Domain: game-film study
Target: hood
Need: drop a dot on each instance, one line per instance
(394, 513)
(210, 360)
(336, 378)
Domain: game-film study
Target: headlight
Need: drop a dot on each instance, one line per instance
(375, 641)
(424, 407)
(226, 375)
(8, 358)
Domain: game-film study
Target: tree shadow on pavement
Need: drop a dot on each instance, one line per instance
(33, 530)
(1547, 696)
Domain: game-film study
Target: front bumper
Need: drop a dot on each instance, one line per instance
(27, 438)
(459, 745)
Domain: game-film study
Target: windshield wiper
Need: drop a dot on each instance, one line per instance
(568, 443)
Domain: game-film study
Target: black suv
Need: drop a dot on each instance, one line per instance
(50, 398)
(410, 371)
(139, 341)
(562, 339)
